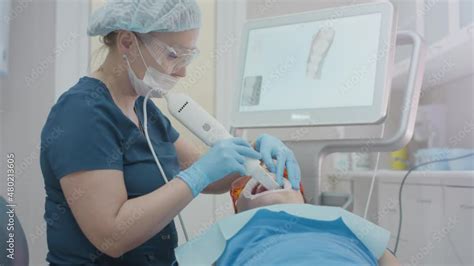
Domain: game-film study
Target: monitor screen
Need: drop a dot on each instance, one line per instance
(319, 64)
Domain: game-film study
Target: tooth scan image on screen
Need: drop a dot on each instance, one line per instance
(251, 91)
(320, 46)
(310, 65)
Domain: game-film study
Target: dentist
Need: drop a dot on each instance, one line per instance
(106, 201)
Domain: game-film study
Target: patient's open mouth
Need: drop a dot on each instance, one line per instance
(259, 188)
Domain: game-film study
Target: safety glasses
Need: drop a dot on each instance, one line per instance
(169, 57)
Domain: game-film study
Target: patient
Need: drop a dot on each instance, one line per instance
(279, 238)
(248, 194)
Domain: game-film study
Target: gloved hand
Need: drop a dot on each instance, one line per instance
(272, 148)
(225, 157)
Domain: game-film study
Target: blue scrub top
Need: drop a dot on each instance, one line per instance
(86, 130)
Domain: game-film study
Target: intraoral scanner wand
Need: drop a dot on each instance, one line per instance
(210, 131)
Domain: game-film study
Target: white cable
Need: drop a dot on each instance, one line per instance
(145, 125)
(372, 183)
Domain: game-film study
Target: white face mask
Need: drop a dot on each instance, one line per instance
(154, 80)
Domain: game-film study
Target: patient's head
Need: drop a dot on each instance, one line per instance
(247, 193)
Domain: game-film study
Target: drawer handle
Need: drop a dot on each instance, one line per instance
(428, 201)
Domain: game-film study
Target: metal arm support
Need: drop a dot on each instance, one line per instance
(312, 152)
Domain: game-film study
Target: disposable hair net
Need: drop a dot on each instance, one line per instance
(145, 16)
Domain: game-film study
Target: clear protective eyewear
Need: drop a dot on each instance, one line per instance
(168, 57)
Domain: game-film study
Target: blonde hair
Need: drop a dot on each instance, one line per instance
(108, 43)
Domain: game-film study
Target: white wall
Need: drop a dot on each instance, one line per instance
(72, 42)
(45, 51)
(2, 152)
(265, 8)
(27, 95)
(458, 97)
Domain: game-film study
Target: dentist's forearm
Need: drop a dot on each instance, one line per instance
(143, 217)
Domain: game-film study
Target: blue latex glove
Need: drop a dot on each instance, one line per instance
(225, 157)
(272, 148)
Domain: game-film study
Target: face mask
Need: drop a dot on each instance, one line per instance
(159, 83)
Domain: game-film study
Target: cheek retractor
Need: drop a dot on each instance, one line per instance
(320, 45)
(252, 184)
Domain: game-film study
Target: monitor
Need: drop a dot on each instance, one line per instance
(325, 67)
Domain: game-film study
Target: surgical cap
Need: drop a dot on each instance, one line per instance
(145, 16)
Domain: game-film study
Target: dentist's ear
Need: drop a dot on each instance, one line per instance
(127, 47)
(127, 44)
(126, 40)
